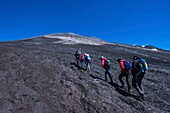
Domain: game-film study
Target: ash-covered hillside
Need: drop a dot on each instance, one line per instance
(39, 75)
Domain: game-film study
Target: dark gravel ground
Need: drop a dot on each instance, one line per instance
(39, 76)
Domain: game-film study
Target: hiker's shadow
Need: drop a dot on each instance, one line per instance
(124, 92)
(117, 88)
(78, 67)
(95, 77)
(73, 63)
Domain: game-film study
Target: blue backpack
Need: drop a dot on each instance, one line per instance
(144, 64)
(127, 65)
(87, 57)
(107, 63)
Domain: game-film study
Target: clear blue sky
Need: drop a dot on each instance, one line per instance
(124, 21)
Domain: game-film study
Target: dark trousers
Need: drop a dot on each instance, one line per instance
(124, 74)
(107, 72)
(137, 83)
(87, 62)
(77, 60)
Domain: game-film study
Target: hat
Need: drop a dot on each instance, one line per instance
(101, 57)
(118, 59)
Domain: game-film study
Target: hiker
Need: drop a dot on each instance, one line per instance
(125, 70)
(77, 55)
(81, 59)
(106, 65)
(139, 69)
(87, 60)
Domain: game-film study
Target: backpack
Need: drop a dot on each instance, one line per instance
(78, 53)
(81, 58)
(88, 58)
(134, 65)
(144, 64)
(127, 65)
(107, 63)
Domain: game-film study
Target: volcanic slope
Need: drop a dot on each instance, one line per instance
(39, 75)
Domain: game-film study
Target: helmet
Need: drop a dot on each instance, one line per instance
(118, 59)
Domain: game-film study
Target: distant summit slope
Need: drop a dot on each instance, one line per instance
(152, 47)
(72, 38)
(68, 35)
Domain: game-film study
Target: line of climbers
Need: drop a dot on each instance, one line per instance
(83, 59)
(138, 69)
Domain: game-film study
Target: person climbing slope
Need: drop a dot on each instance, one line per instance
(77, 55)
(81, 59)
(106, 65)
(125, 71)
(87, 60)
(139, 69)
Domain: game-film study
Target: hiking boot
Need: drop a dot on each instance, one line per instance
(129, 90)
(123, 87)
(105, 79)
(111, 83)
(142, 97)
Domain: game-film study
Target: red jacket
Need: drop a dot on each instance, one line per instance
(122, 66)
(81, 58)
(103, 63)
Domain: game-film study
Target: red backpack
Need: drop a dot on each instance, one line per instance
(122, 66)
(81, 57)
(125, 65)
